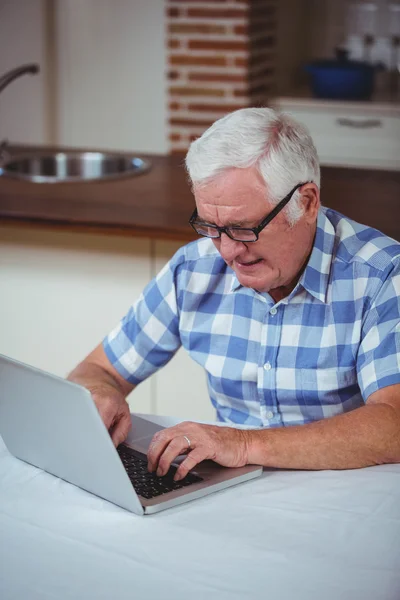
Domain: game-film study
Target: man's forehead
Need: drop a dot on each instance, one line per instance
(235, 181)
(235, 199)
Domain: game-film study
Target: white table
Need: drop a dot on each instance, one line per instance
(290, 535)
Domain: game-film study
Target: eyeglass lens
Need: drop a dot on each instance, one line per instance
(240, 235)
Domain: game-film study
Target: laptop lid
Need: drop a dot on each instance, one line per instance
(54, 424)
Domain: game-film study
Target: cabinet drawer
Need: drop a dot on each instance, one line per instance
(351, 138)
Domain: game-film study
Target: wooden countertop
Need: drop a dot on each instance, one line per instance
(158, 204)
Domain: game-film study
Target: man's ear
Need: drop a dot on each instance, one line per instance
(310, 201)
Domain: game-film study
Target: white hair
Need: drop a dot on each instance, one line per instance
(280, 147)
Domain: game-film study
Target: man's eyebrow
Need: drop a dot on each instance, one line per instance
(231, 224)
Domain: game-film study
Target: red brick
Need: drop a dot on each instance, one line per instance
(173, 75)
(173, 12)
(187, 122)
(242, 61)
(197, 1)
(174, 137)
(220, 108)
(241, 29)
(216, 45)
(193, 91)
(207, 61)
(223, 77)
(212, 13)
(241, 93)
(202, 28)
(174, 106)
(174, 44)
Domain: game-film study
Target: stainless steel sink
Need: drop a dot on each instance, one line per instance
(58, 167)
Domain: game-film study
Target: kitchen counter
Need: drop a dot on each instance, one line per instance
(158, 204)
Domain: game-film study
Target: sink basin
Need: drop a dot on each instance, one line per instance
(58, 167)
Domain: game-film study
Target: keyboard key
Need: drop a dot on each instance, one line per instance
(149, 485)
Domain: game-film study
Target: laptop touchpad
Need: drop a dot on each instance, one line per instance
(142, 433)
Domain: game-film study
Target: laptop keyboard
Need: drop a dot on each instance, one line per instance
(146, 484)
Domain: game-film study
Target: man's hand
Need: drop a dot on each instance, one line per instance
(225, 445)
(114, 411)
(108, 390)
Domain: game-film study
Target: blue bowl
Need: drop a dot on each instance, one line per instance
(341, 79)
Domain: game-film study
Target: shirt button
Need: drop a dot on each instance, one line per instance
(270, 415)
(267, 366)
(273, 311)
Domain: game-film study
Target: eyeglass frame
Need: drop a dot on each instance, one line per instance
(256, 230)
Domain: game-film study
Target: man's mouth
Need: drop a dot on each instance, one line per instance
(248, 264)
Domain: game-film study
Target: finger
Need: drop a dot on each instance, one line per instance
(176, 447)
(121, 429)
(157, 446)
(161, 440)
(193, 459)
(106, 411)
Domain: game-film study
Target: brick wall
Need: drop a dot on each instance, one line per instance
(220, 58)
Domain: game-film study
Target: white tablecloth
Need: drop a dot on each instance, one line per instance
(290, 535)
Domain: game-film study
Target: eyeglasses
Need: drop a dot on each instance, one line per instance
(239, 234)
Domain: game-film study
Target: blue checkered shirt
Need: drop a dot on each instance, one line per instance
(319, 352)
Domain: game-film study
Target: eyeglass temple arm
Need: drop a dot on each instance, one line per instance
(279, 207)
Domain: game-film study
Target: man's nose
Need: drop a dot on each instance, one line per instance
(228, 248)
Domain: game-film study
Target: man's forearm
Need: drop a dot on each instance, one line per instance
(94, 378)
(367, 436)
(108, 393)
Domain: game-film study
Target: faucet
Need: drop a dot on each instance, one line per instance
(17, 72)
(5, 80)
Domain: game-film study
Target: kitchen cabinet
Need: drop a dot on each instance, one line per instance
(62, 292)
(349, 134)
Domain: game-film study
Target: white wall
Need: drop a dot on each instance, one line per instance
(109, 83)
(111, 74)
(23, 109)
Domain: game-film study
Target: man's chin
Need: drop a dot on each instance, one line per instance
(253, 282)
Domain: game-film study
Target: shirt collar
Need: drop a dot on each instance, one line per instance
(315, 277)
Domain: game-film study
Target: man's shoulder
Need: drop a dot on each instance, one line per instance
(198, 268)
(361, 244)
(198, 255)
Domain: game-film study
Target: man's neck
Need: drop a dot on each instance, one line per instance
(283, 291)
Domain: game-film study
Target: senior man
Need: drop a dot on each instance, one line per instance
(291, 308)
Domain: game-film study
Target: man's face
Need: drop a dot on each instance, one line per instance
(273, 263)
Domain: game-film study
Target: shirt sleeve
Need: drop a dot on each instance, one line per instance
(378, 361)
(148, 336)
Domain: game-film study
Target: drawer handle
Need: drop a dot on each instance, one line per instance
(366, 124)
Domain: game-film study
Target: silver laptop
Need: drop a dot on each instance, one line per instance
(54, 424)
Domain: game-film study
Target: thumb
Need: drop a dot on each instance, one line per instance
(121, 429)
